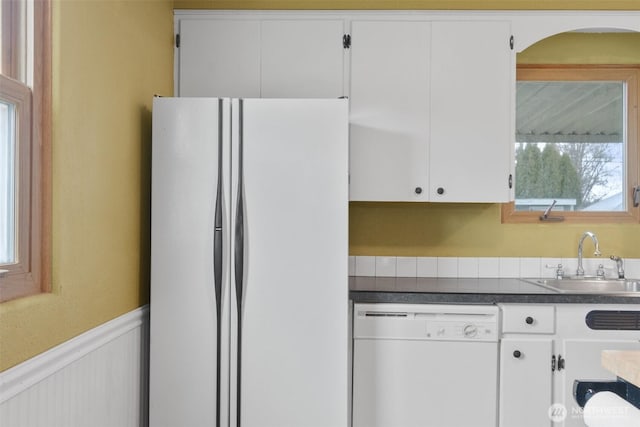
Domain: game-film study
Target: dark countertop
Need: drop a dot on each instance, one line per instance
(468, 291)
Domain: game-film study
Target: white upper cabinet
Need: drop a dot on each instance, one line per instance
(218, 58)
(432, 93)
(431, 99)
(472, 83)
(389, 117)
(302, 59)
(431, 111)
(261, 58)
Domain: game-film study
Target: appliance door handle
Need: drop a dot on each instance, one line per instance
(217, 263)
(239, 255)
(239, 223)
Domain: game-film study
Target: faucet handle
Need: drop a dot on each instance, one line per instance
(600, 271)
(559, 270)
(619, 264)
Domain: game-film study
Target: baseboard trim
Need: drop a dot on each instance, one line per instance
(15, 380)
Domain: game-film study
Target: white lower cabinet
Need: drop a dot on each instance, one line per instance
(525, 382)
(580, 349)
(583, 363)
(526, 354)
(539, 365)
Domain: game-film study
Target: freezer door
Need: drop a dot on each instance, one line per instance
(294, 292)
(188, 268)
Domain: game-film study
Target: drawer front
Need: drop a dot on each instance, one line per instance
(528, 319)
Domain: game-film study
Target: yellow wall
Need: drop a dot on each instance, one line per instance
(424, 229)
(109, 58)
(430, 229)
(584, 48)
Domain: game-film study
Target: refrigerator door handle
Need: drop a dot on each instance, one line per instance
(239, 229)
(239, 257)
(217, 263)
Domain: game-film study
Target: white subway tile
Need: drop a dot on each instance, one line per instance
(385, 266)
(365, 266)
(468, 267)
(427, 267)
(530, 267)
(591, 265)
(488, 267)
(570, 266)
(448, 267)
(484, 267)
(548, 267)
(509, 267)
(632, 268)
(352, 266)
(406, 266)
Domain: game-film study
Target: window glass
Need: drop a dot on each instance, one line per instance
(7, 183)
(571, 145)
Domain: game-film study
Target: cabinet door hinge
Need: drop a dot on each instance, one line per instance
(177, 40)
(510, 181)
(561, 362)
(511, 42)
(346, 41)
(553, 363)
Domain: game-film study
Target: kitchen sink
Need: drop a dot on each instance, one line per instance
(589, 285)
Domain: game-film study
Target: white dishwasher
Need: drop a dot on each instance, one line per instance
(425, 365)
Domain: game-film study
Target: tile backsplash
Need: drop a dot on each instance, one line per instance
(383, 266)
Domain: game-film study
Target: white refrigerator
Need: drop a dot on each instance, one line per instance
(249, 293)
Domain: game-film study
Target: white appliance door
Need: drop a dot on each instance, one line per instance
(188, 269)
(405, 383)
(293, 309)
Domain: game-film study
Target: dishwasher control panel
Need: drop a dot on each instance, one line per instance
(426, 322)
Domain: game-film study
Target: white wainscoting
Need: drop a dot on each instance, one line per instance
(97, 379)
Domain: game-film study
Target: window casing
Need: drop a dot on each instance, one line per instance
(25, 76)
(628, 77)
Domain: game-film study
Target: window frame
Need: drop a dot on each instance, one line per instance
(32, 274)
(630, 74)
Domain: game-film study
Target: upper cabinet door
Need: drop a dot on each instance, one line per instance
(219, 58)
(302, 59)
(389, 110)
(472, 82)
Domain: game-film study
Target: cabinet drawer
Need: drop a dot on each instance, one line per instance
(528, 319)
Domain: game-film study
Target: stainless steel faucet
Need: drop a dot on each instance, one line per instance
(619, 264)
(580, 271)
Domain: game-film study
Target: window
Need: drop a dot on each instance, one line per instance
(24, 147)
(576, 143)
